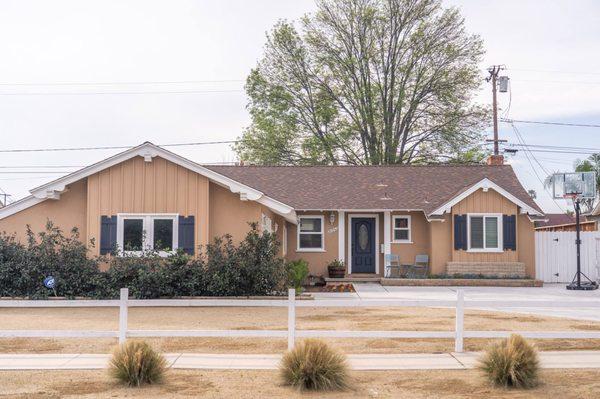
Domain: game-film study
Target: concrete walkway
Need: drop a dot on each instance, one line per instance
(550, 292)
(418, 361)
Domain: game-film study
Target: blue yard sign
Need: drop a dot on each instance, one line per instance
(49, 282)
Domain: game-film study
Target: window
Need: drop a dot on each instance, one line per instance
(402, 229)
(310, 233)
(137, 233)
(485, 233)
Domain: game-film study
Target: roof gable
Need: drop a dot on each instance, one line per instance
(53, 189)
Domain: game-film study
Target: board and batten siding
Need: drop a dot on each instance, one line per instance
(137, 186)
(485, 202)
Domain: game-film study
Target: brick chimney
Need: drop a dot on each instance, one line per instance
(495, 160)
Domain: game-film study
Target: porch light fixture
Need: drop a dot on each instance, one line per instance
(331, 218)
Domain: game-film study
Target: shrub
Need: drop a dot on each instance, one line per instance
(24, 267)
(512, 362)
(297, 273)
(135, 363)
(312, 365)
(252, 267)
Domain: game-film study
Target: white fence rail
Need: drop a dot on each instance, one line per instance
(556, 259)
(291, 333)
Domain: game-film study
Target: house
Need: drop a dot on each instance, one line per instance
(565, 222)
(468, 219)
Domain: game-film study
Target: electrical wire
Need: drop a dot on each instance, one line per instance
(554, 71)
(119, 147)
(90, 93)
(510, 121)
(121, 83)
(522, 140)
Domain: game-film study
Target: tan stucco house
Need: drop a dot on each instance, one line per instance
(467, 219)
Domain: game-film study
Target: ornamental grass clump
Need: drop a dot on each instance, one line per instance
(313, 365)
(135, 363)
(511, 363)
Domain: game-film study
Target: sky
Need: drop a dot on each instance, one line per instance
(114, 73)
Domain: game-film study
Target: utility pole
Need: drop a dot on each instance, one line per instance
(494, 70)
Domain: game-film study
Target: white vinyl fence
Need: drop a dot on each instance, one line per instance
(556, 256)
(291, 333)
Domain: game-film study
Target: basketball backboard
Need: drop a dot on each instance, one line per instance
(574, 184)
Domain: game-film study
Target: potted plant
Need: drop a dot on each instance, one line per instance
(336, 269)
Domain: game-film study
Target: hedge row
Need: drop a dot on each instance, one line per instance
(225, 269)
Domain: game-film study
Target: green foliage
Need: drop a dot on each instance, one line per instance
(135, 363)
(512, 362)
(312, 365)
(297, 272)
(49, 253)
(366, 82)
(252, 267)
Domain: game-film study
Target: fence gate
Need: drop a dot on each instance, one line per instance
(556, 258)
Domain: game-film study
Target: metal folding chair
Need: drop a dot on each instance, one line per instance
(420, 268)
(392, 262)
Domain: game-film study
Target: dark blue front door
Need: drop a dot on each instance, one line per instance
(363, 245)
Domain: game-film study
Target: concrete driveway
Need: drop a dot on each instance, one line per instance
(556, 292)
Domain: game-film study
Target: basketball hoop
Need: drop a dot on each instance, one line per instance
(576, 186)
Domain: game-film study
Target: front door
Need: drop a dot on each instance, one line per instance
(363, 245)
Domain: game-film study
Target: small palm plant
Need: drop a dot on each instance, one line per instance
(312, 365)
(135, 363)
(511, 363)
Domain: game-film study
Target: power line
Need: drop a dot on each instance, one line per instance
(154, 82)
(39, 166)
(505, 120)
(121, 147)
(522, 140)
(34, 172)
(119, 93)
(555, 71)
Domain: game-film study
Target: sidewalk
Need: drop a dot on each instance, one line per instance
(418, 361)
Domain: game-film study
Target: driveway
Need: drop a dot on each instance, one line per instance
(556, 292)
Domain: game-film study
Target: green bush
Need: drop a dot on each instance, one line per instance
(48, 253)
(512, 362)
(312, 365)
(297, 273)
(250, 268)
(135, 363)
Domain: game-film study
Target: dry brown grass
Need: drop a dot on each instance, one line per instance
(232, 384)
(434, 319)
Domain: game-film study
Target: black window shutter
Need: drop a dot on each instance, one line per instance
(509, 232)
(108, 234)
(460, 232)
(186, 234)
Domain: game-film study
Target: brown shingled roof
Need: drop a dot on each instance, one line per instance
(372, 187)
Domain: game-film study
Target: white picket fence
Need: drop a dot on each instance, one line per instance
(556, 257)
(459, 304)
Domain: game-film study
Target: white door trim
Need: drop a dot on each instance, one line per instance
(363, 215)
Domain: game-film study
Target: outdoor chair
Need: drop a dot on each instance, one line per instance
(392, 263)
(420, 267)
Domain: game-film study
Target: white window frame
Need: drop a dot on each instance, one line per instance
(409, 228)
(322, 232)
(500, 234)
(148, 229)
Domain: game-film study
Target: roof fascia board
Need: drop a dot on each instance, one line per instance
(485, 184)
(19, 205)
(149, 151)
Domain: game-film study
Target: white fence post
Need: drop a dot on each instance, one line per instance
(460, 316)
(123, 315)
(291, 318)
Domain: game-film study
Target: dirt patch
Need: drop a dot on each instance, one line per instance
(232, 384)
